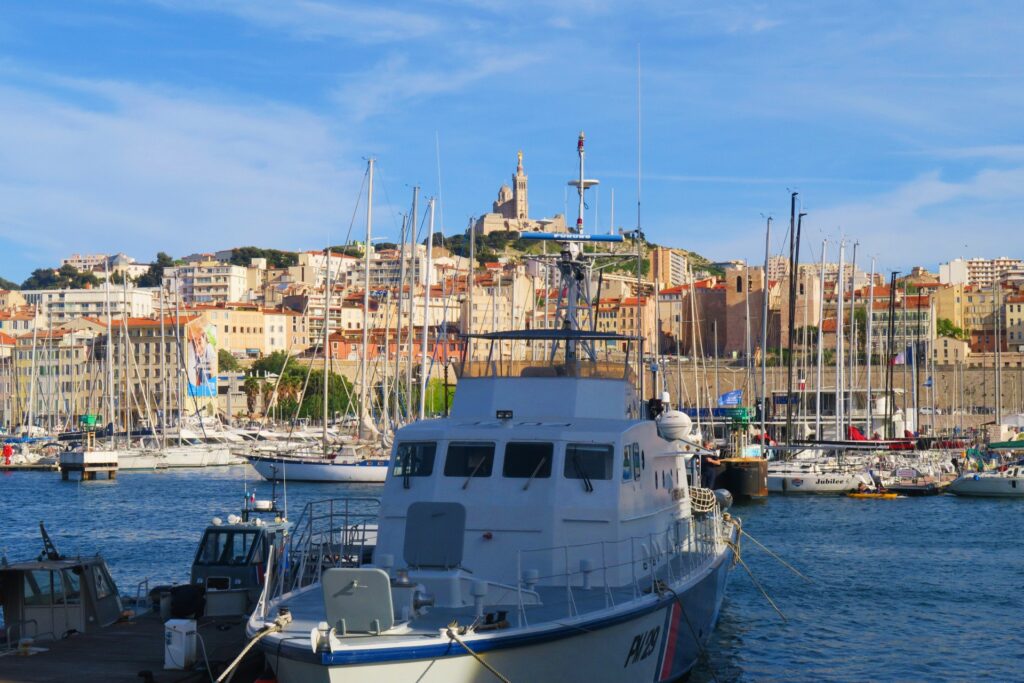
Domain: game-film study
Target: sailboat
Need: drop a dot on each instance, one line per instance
(351, 462)
(545, 530)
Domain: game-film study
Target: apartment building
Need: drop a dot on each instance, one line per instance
(207, 282)
(977, 271)
(59, 306)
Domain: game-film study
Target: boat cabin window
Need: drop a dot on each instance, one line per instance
(104, 585)
(43, 588)
(527, 460)
(415, 459)
(627, 463)
(588, 461)
(635, 448)
(469, 459)
(225, 547)
(72, 587)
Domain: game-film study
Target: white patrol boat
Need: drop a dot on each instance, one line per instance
(545, 531)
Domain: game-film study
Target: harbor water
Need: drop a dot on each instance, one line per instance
(907, 589)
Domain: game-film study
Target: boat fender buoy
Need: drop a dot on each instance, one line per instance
(976, 477)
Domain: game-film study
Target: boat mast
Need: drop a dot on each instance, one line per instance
(363, 379)
(764, 334)
(840, 294)
(746, 323)
(400, 310)
(794, 239)
(469, 291)
(110, 354)
(890, 403)
(821, 337)
(125, 369)
(326, 344)
(997, 356)
(32, 376)
(851, 379)
(180, 355)
(868, 426)
(413, 260)
(163, 371)
(426, 314)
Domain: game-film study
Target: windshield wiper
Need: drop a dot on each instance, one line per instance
(473, 473)
(535, 471)
(587, 486)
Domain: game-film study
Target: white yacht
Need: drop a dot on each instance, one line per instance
(545, 531)
(1008, 483)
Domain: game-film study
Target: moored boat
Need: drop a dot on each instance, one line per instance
(545, 530)
(1008, 483)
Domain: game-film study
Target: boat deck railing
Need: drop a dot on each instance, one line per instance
(334, 532)
(597, 575)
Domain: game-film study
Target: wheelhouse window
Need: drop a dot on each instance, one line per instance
(225, 547)
(469, 459)
(589, 461)
(627, 463)
(527, 460)
(415, 459)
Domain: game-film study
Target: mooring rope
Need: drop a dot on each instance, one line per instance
(452, 628)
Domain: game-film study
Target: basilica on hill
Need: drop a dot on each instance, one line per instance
(511, 210)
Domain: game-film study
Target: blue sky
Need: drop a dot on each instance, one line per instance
(196, 125)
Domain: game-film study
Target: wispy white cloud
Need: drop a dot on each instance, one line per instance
(317, 19)
(398, 79)
(94, 165)
(999, 152)
(929, 218)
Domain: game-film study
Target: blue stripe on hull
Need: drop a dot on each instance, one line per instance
(702, 600)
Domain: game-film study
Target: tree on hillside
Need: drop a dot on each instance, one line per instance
(226, 362)
(65, 277)
(243, 256)
(154, 277)
(7, 284)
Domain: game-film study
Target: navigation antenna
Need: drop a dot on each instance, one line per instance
(575, 267)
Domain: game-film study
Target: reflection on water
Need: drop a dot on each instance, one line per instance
(908, 589)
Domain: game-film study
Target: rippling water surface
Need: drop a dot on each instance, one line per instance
(907, 589)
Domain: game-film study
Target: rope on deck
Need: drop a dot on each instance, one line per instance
(453, 635)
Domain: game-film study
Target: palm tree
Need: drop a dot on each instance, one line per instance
(251, 387)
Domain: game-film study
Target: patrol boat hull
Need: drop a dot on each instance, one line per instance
(649, 639)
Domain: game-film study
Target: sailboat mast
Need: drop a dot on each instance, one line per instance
(851, 379)
(413, 260)
(469, 291)
(363, 379)
(426, 314)
(791, 328)
(821, 338)
(400, 310)
(868, 427)
(840, 296)
(326, 343)
(163, 370)
(110, 352)
(764, 334)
